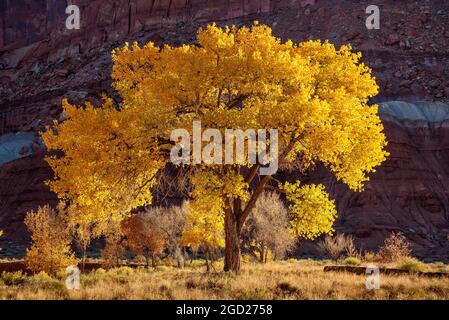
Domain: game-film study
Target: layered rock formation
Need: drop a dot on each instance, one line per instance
(41, 62)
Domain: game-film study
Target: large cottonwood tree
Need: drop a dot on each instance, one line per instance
(314, 94)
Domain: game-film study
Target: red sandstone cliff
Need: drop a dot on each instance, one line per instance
(41, 61)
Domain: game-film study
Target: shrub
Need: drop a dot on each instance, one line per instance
(164, 268)
(412, 264)
(352, 261)
(168, 261)
(395, 248)
(40, 277)
(369, 256)
(253, 294)
(440, 266)
(339, 245)
(13, 278)
(350, 248)
(249, 258)
(100, 271)
(44, 281)
(124, 271)
(50, 250)
(286, 288)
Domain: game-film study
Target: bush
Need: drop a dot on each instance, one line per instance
(369, 256)
(50, 251)
(352, 261)
(440, 266)
(168, 262)
(412, 264)
(253, 294)
(249, 258)
(395, 248)
(124, 271)
(100, 272)
(338, 246)
(40, 277)
(13, 278)
(164, 268)
(286, 288)
(44, 281)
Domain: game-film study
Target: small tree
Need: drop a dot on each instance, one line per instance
(170, 222)
(268, 228)
(144, 237)
(203, 231)
(83, 231)
(114, 248)
(50, 251)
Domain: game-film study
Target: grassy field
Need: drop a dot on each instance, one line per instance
(292, 279)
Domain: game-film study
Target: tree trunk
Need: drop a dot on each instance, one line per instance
(147, 260)
(153, 260)
(235, 217)
(83, 261)
(232, 242)
(262, 253)
(179, 257)
(206, 254)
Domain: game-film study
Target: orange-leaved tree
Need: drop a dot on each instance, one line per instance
(144, 237)
(314, 94)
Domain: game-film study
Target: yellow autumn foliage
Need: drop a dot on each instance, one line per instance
(242, 78)
(313, 213)
(205, 214)
(50, 250)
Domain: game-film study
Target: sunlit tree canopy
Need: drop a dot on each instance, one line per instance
(314, 94)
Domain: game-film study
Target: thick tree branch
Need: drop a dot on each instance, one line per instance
(252, 201)
(252, 173)
(274, 189)
(261, 186)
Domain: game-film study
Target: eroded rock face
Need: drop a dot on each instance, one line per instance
(22, 188)
(41, 62)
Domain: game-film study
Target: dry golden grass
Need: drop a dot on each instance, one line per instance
(292, 279)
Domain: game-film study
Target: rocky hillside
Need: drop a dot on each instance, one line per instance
(41, 62)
